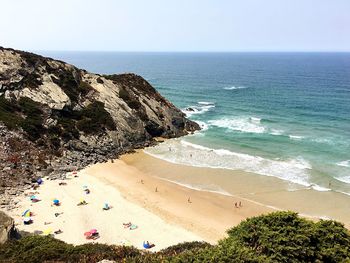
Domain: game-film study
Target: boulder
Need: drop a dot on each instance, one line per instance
(7, 227)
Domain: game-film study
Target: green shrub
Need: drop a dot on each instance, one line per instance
(84, 88)
(94, 117)
(68, 84)
(32, 124)
(8, 113)
(11, 111)
(282, 236)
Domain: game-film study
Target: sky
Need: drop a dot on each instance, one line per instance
(176, 25)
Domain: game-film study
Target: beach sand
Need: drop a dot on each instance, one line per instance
(165, 216)
(74, 220)
(145, 191)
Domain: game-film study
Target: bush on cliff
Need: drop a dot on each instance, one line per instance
(276, 237)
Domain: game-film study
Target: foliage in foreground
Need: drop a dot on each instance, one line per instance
(276, 237)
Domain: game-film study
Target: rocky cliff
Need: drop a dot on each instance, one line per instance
(55, 117)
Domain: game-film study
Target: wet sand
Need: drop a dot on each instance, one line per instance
(268, 192)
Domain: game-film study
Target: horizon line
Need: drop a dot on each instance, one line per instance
(190, 51)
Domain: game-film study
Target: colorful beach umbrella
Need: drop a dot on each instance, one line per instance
(26, 213)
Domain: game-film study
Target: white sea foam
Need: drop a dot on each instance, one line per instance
(344, 163)
(203, 126)
(255, 119)
(344, 179)
(206, 103)
(276, 132)
(234, 88)
(200, 108)
(296, 137)
(322, 140)
(320, 188)
(183, 152)
(242, 124)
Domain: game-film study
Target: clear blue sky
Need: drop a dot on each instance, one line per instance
(176, 25)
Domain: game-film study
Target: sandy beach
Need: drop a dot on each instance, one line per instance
(142, 190)
(74, 220)
(165, 213)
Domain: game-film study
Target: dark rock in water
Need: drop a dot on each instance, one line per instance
(189, 109)
(7, 227)
(56, 118)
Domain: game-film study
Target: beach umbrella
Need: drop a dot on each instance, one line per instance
(56, 201)
(26, 213)
(47, 232)
(93, 231)
(40, 181)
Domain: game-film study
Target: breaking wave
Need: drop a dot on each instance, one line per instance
(344, 163)
(179, 151)
(242, 124)
(200, 108)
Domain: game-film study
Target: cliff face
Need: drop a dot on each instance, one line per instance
(55, 117)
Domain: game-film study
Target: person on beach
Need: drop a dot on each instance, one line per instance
(82, 202)
(156, 190)
(106, 207)
(189, 200)
(236, 205)
(240, 204)
(142, 181)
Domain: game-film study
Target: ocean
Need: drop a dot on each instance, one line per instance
(283, 115)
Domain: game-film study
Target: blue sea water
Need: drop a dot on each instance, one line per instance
(285, 115)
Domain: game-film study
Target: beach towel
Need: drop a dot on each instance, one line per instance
(47, 232)
(132, 227)
(27, 221)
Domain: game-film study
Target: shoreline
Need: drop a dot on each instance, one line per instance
(148, 192)
(267, 191)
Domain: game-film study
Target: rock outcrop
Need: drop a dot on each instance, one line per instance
(55, 117)
(7, 226)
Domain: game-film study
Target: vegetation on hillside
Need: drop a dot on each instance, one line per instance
(29, 115)
(276, 237)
